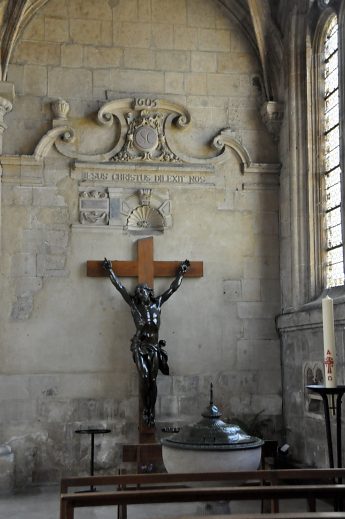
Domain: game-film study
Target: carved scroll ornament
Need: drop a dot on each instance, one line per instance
(141, 125)
(141, 135)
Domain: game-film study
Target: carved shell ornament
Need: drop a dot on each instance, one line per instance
(145, 217)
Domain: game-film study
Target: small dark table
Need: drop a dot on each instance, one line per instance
(92, 433)
(338, 392)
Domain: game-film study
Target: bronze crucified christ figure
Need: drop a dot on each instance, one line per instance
(146, 347)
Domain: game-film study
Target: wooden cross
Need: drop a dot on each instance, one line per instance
(145, 268)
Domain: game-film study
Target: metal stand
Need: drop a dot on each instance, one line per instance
(324, 392)
(92, 433)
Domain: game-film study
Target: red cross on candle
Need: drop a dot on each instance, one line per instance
(329, 362)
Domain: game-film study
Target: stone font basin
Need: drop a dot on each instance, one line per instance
(211, 445)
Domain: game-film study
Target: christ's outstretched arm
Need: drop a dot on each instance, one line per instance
(116, 281)
(184, 266)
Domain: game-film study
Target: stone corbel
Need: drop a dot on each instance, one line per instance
(60, 109)
(272, 114)
(61, 130)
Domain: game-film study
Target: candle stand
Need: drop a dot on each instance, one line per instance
(324, 392)
(92, 433)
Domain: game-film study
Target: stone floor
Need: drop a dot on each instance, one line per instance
(43, 503)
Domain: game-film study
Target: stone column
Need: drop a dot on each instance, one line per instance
(295, 272)
(5, 107)
(6, 102)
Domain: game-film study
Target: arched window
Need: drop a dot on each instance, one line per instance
(332, 254)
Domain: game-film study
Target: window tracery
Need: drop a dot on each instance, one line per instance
(326, 151)
(331, 173)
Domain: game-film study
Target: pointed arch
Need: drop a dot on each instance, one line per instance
(327, 159)
(16, 15)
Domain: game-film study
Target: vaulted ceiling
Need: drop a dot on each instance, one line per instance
(258, 19)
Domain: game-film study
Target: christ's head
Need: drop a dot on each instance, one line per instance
(144, 293)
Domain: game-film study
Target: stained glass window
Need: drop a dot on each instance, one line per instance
(332, 204)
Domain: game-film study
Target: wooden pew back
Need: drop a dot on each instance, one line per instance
(129, 489)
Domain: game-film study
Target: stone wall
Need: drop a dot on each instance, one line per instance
(90, 52)
(65, 337)
(302, 346)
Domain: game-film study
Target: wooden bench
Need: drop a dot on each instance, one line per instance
(286, 515)
(308, 484)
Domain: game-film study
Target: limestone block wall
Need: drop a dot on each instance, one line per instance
(90, 52)
(65, 337)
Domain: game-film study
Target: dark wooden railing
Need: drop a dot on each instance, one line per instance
(130, 489)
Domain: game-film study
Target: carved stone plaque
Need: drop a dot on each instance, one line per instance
(93, 207)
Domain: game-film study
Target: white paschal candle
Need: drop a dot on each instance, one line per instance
(329, 342)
